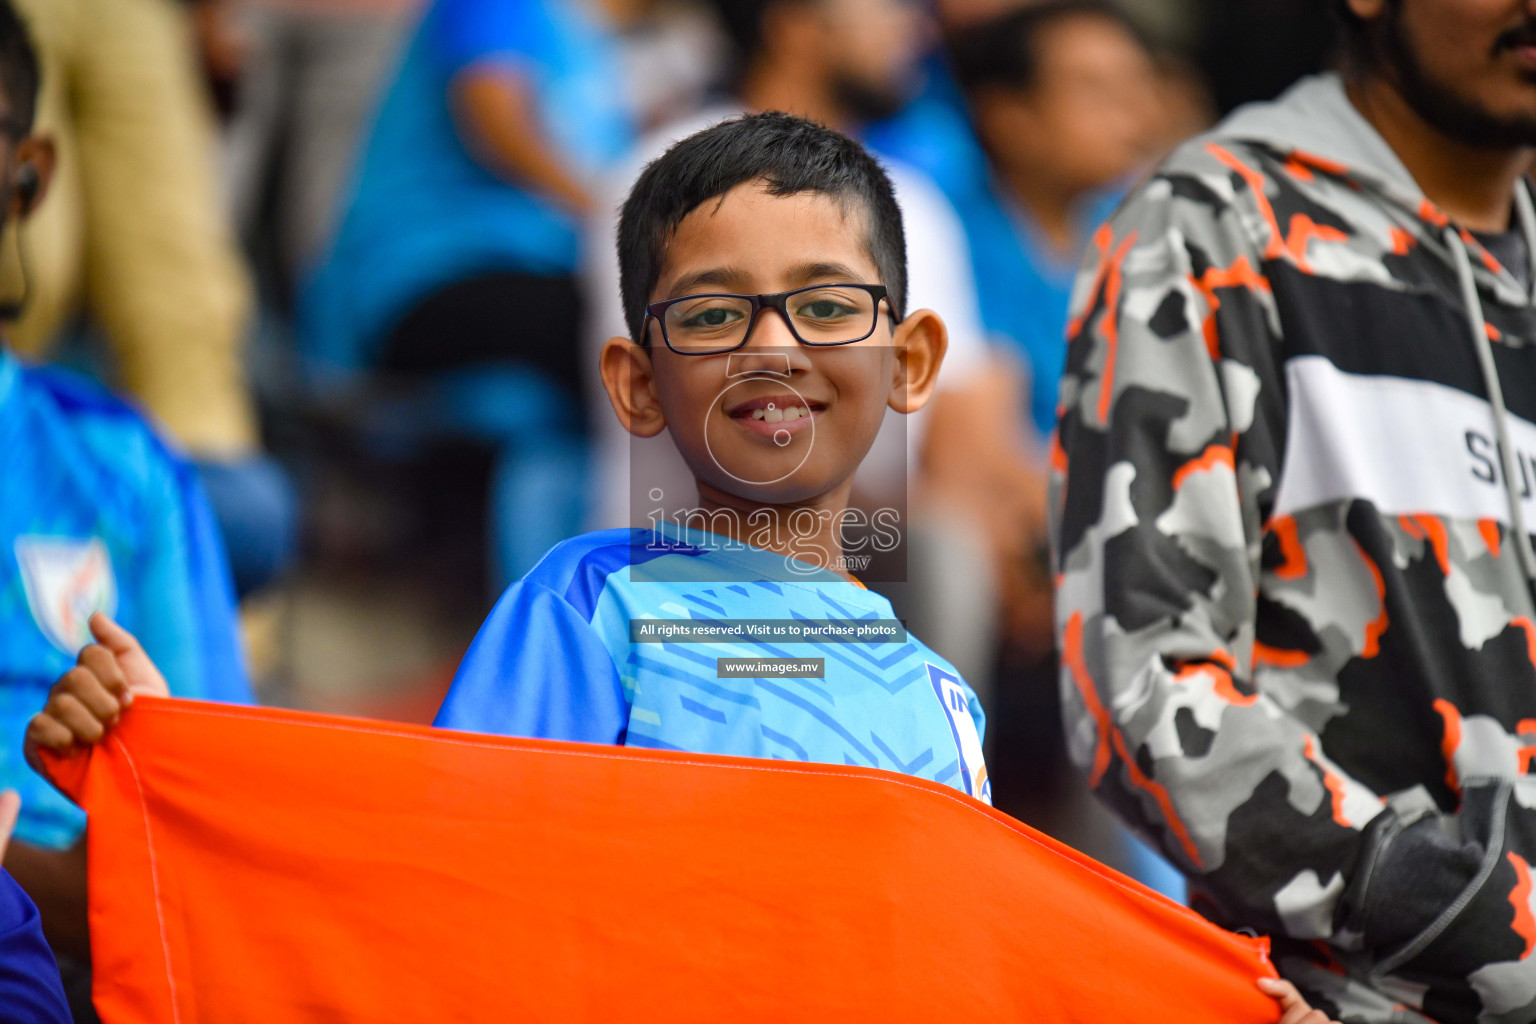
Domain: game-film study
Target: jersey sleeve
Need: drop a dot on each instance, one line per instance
(538, 668)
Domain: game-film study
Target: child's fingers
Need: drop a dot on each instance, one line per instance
(49, 733)
(112, 636)
(83, 726)
(87, 688)
(103, 664)
(140, 672)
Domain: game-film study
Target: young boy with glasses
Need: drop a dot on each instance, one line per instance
(763, 273)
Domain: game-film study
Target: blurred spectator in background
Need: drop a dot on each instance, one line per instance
(308, 79)
(137, 237)
(1063, 98)
(467, 199)
(98, 516)
(976, 491)
(672, 58)
(463, 221)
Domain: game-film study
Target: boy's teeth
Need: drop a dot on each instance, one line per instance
(757, 414)
(793, 412)
(773, 415)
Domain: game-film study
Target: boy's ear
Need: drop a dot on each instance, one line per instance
(921, 341)
(628, 377)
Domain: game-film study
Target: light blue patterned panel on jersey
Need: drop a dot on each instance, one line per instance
(875, 707)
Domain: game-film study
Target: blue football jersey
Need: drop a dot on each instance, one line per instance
(555, 661)
(96, 514)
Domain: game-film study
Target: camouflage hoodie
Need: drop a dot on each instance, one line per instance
(1295, 460)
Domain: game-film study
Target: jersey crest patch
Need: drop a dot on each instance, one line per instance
(67, 580)
(951, 694)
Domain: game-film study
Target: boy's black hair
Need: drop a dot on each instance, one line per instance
(1004, 51)
(19, 73)
(792, 155)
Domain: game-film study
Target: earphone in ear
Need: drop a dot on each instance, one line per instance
(27, 182)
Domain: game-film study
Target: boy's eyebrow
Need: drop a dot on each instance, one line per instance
(821, 270)
(720, 277)
(727, 277)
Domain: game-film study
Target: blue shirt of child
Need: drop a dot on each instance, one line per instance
(30, 990)
(98, 516)
(424, 212)
(555, 661)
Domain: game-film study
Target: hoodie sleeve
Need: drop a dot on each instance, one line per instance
(1167, 455)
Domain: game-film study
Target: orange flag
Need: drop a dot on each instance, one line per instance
(274, 866)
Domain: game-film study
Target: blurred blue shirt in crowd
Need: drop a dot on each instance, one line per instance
(1024, 286)
(98, 516)
(424, 212)
(30, 989)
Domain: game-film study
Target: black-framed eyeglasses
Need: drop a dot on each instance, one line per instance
(819, 315)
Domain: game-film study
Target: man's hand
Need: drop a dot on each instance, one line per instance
(89, 698)
(1293, 1008)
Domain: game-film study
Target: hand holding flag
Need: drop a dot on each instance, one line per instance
(89, 698)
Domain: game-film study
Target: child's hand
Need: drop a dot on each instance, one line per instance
(87, 700)
(142, 675)
(1294, 1009)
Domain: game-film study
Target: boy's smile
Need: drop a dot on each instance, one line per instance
(775, 415)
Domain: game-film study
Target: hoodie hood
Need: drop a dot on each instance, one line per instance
(1315, 117)
(1315, 121)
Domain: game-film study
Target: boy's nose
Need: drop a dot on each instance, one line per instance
(771, 343)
